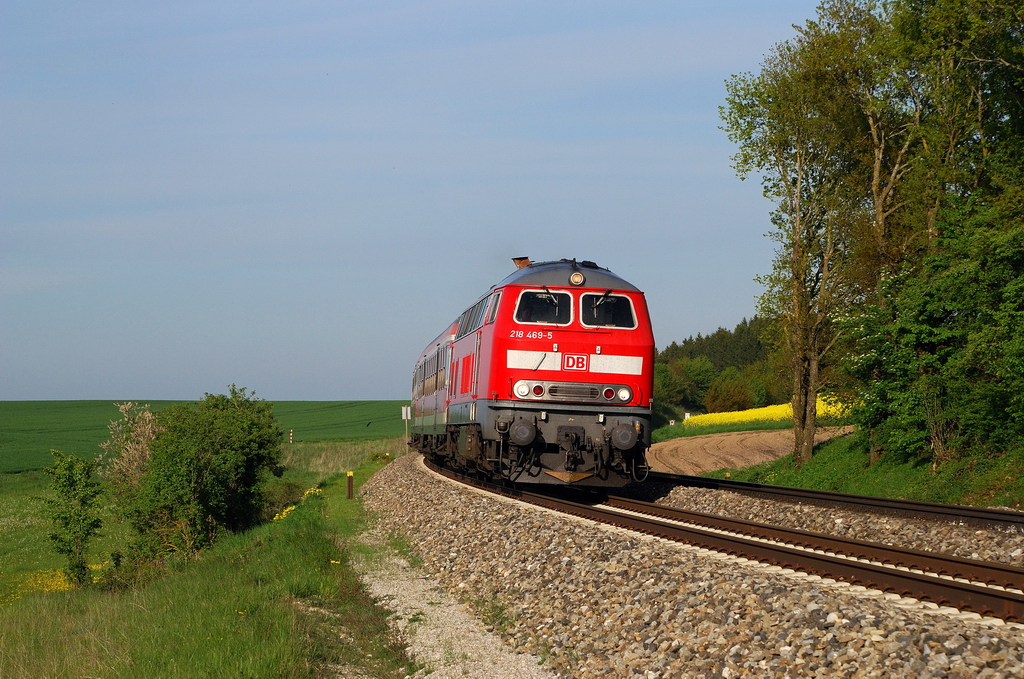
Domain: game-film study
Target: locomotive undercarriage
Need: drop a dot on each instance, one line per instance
(579, 446)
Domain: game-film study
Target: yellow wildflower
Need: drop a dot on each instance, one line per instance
(284, 512)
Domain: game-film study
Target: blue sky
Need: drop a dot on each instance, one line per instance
(296, 197)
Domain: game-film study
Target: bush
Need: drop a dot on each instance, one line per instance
(73, 511)
(128, 448)
(729, 392)
(207, 465)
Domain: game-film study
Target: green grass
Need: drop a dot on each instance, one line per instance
(842, 465)
(277, 601)
(30, 429)
(25, 551)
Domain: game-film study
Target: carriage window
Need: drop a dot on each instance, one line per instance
(495, 300)
(542, 306)
(607, 311)
(472, 318)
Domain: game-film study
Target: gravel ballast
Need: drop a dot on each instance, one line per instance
(966, 541)
(598, 601)
(444, 637)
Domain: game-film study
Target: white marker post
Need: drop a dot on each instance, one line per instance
(406, 416)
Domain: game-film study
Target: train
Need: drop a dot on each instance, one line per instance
(547, 378)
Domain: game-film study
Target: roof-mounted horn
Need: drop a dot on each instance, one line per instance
(521, 262)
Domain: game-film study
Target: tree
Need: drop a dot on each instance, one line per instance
(73, 511)
(794, 132)
(924, 357)
(730, 391)
(889, 135)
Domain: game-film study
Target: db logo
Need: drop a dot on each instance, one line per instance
(574, 362)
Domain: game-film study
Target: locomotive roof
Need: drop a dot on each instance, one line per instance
(557, 274)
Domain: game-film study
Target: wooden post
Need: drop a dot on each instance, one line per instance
(350, 485)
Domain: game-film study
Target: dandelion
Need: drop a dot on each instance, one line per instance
(284, 512)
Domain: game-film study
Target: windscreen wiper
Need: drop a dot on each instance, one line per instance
(550, 297)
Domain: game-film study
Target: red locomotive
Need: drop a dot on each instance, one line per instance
(547, 378)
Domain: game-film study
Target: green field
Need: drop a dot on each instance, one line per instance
(30, 429)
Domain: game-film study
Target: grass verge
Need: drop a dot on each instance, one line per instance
(278, 601)
(842, 465)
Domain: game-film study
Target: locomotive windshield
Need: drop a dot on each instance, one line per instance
(607, 311)
(544, 306)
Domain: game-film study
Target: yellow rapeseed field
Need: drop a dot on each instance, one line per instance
(776, 413)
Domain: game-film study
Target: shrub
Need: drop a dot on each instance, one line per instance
(126, 454)
(207, 466)
(73, 511)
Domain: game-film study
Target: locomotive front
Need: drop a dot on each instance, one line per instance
(549, 380)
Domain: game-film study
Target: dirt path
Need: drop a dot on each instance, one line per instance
(699, 454)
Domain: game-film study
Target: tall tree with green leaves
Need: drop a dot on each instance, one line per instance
(932, 359)
(793, 131)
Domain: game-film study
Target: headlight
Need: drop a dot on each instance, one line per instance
(625, 394)
(522, 389)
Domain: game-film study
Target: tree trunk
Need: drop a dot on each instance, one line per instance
(805, 397)
(799, 408)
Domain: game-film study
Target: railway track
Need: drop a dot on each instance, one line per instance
(989, 589)
(977, 516)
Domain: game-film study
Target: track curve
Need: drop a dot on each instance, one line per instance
(871, 565)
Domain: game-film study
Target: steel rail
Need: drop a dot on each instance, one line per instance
(941, 590)
(972, 570)
(978, 516)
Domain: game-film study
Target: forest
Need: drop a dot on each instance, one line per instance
(889, 136)
(724, 371)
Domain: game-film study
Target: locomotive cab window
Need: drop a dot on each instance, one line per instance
(607, 311)
(544, 306)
